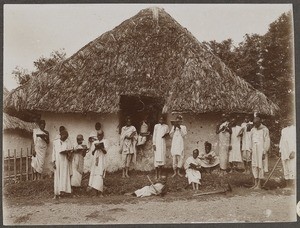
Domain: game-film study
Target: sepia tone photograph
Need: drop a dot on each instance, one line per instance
(148, 114)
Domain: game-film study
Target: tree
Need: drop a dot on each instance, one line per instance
(277, 63)
(21, 75)
(41, 64)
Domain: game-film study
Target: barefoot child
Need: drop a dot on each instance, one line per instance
(98, 150)
(77, 164)
(209, 159)
(192, 166)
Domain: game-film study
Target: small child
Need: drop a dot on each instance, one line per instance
(192, 168)
(209, 159)
(77, 164)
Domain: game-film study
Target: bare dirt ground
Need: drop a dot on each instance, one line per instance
(241, 205)
(31, 203)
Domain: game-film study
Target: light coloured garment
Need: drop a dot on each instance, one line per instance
(177, 146)
(235, 154)
(160, 143)
(142, 139)
(224, 139)
(63, 171)
(40, 147)
(150, 190)
(77, 166)
(287, 145)
(193, 175)
(98, 166)
(246, 136)
(209, 163)
(128, 146)
(260, 144)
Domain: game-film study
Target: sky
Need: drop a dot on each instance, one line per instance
(32, 31)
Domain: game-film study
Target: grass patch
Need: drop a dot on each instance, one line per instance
(116, 185)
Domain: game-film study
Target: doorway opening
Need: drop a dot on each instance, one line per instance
(140, 108)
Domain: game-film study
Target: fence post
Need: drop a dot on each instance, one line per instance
(27, 164)
(31, 171)
(21, 167)
(15, 165)
(8, 165)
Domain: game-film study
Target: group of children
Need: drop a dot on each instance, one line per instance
(247, 143)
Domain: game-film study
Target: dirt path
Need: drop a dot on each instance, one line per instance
(243, 205)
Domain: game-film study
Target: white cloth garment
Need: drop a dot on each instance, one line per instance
(178, 135)
(287, 145)
(224, 138)
(192, 174)
(40, 147)
(63, 171)
(149, 190)
(246, 136)
(209, 163)
(128, 146)
(235, 154)
(160, 143)
(260, 144)
(77, 166)
(98, 166)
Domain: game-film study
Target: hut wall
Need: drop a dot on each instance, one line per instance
(200, 128)
(15, 139)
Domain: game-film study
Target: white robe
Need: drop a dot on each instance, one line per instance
(98, 169)
(149, 190)
(235, 154)
(246, 137)
(63, 171)
(160, 143)
(259, 145)
(77, 167)
(177, 147)
(224, 138)
(128, 146)
(287, 145)
(40, 147)
(192, 174)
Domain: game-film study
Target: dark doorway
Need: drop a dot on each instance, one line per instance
(140, 108)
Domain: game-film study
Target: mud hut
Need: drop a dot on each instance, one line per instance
(147, 65)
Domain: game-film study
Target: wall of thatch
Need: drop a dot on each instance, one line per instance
(16, 139)
(201, 128)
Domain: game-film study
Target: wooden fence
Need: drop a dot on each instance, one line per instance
(18, 168)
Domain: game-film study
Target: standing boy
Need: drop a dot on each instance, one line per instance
(224, 131)
(160, 132)
(41, 141)
(259, 146)
(61, 164)
(287, 148)
(99, 150)
(128, 141)
(77, 163)
(235, 156)
(178, 133)
(246, 125)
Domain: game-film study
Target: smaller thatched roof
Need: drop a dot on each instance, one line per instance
(13, 123)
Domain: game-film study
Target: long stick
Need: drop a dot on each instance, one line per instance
(152, 184)
(276, 164)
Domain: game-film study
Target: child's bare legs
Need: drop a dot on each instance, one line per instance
(126, 173)
(34, 176)
(178, 172)
(123, 173)
(157, 172)
(193, 184)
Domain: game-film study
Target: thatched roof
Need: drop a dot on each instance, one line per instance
(149, 54)
(13, 123)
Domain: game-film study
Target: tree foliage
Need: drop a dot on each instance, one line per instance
(266, 61)
(41, 64)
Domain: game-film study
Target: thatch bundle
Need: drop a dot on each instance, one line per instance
(13, 123)
(149, 54)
